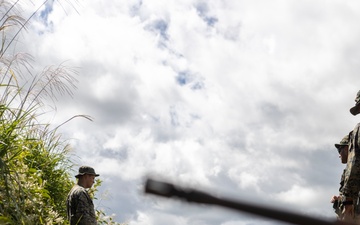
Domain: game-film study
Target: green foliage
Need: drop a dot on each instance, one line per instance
(34, 161)
(33, 177)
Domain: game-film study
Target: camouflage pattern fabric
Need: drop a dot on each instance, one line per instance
(351, 186)
(342, 182)
(80, 207)
(338, 206)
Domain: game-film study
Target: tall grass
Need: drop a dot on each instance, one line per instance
(34, 178)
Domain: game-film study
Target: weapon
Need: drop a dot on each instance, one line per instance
(168, 190)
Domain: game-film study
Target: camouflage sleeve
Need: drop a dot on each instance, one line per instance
(85, 213)
(342, 181)
(351, 184)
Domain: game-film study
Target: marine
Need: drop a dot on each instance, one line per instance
(338, 204)
(80, 207)
(351, 186)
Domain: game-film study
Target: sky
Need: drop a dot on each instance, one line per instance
(241, 99)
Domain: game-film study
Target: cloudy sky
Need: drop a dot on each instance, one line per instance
(243, 99)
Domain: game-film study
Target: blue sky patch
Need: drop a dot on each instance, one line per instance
(161, 27)
(183, 78)
(203, 11)
(48, 9)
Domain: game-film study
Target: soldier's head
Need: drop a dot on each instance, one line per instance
(343, 148)
(356, 109)
(86, 176)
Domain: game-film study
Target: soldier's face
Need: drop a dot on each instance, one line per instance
(343, 154)
(89, 180)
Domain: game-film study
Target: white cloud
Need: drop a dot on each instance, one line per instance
(298, 195)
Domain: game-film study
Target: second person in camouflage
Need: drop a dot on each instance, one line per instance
(342, 149)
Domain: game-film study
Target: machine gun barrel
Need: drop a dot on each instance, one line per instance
(191, 195)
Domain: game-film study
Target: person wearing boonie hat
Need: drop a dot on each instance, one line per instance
(351, 186)
(342, 149)
(80, 207)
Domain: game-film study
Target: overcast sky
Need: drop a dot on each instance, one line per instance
(243, 99)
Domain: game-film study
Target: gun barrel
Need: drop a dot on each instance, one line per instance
(191, 195)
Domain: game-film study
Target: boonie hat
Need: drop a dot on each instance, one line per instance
(355, 109)
(86, 170)
(343, 142)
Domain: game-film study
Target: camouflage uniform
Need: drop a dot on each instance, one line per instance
(351, 187)
(80, 207)
(338, 203)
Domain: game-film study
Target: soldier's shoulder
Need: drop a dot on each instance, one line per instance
(77, 189)
(357, 126)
